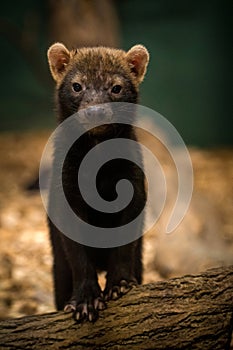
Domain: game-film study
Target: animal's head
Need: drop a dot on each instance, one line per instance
(90, 76)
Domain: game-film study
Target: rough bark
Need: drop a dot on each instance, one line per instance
(191, 312)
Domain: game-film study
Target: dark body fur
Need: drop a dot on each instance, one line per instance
(76, 265)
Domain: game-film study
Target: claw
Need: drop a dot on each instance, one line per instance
(69, 308)
(77, 316)
(99, 304)
(115, 295)
(86, 311)
(118, 290)
(124, 286)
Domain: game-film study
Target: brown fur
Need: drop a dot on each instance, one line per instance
(98, 70)
(133, 62)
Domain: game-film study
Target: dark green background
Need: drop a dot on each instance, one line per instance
(189, 79)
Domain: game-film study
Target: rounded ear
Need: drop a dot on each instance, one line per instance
(58, 57)
(138, 58)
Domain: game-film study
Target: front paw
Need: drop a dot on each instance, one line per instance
(85, 302)
(116, 288)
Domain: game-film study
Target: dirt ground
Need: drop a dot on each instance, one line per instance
(204, 238)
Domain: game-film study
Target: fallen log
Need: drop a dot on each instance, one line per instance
(190, 312)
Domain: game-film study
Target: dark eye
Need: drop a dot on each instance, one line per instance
(77, 87)
(116, 89)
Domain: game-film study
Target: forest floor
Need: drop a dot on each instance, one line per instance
(204, 239)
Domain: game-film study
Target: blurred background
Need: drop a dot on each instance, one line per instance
(189, 81)
(189, 78)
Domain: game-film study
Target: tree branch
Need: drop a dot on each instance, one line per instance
(190, 312)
